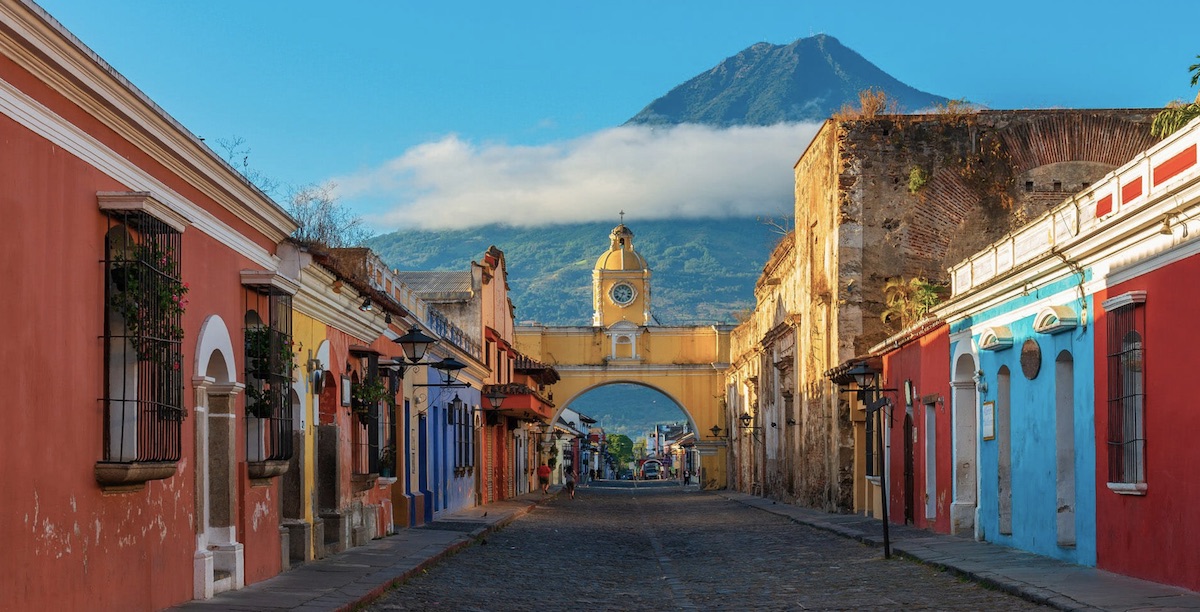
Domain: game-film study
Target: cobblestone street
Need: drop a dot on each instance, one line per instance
(666, 548)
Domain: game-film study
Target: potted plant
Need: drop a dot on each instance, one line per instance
(269, 352)
(387, 461)
(150, 299)
(366, 395)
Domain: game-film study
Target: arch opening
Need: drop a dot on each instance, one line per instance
(643, 433)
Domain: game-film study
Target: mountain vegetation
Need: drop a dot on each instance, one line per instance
(703, 270)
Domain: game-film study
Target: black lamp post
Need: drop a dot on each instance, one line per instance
(873, 397)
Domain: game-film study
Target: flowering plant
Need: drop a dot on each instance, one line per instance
(150, 298)
(366, 395)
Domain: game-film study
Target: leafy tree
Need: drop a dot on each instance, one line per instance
(620, 447)
(639, 448)
(1177, 114)
(908, 301)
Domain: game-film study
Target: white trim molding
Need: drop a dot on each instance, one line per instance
(1055, 320)
(1127, 488)
(995, 338)
(1125, 299)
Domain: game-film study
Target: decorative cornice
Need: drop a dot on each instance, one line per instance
(1125, 299)
(270, 279)
(141, 201)
(1055, 320)
(995, 338)
(315, 299)
(56, 57)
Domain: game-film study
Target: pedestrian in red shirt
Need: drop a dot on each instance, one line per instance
(544, 477)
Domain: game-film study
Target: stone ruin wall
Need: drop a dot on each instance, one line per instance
(986, 174)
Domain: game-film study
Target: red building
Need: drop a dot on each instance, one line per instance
(1146, 492)
(139, 481)
(918, 427)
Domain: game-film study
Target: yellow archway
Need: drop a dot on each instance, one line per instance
(685, 363)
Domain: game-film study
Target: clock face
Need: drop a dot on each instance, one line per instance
(622, 293)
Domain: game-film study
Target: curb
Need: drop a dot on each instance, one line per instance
(1017, 589)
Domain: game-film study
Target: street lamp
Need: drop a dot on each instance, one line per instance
(872, 396)
(495, 396)
(716, 431)
(415, 346)
(747, 421)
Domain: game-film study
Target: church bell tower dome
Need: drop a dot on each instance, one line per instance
(620, 282)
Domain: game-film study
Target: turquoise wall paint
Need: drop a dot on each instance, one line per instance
(1033, 295)
(1032, 417)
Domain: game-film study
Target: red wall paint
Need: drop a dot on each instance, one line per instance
(1156, 536)
(926, 362)
(68, 545)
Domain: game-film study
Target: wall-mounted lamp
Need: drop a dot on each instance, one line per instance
(316, 374)
(415, 345)
(747, 421)
(716, 431)
(366, 305)
(1167, 228)
(387, 318)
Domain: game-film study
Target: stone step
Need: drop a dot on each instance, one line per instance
(222, 581)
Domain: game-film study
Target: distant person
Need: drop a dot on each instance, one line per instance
(544, 478)
(570, 483)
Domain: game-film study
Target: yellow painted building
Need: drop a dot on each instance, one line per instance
(685, 363)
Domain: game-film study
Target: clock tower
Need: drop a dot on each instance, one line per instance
(620, 283)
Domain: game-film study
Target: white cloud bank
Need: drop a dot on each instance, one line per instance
(650, 173)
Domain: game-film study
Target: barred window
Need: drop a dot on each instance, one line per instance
(145, 298)
(1126, 392)
(270, 363)
(460, 419)
(366, 396)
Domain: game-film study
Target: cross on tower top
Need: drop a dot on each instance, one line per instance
(622, 216)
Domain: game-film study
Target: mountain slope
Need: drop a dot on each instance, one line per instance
(703, 270)
(806, 80)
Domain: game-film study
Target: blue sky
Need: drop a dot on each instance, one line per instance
(493, 110)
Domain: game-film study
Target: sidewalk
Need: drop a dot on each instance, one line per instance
(362, 574)
(1033, 577)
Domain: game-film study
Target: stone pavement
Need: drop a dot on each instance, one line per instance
(349, 579)
(1033, 577)
(360, 575)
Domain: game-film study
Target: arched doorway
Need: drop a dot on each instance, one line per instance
(219, 556)
(1064, 447)
(965, 423)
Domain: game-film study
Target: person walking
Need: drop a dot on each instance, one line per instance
(569, 483)
(543, 473)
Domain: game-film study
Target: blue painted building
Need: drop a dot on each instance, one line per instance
(1033, 350)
